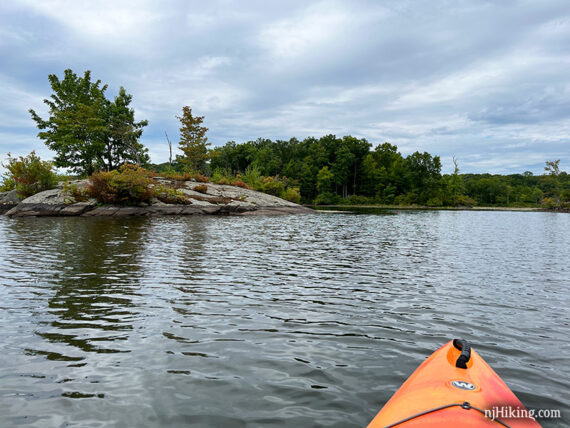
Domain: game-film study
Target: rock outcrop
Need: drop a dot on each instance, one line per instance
(8, 200)
(216, 199)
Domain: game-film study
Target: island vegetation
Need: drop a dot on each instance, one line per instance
(95, 137)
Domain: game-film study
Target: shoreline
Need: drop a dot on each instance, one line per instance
(425, 208)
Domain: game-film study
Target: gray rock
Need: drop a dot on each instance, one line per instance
(35, 210)
(193, 210)
(219, 199)
(166, 210)
(49, 197)
(214, 209)
(105, 211)
(10, 197)
(130, 211)
(76, 209)
(5, 208)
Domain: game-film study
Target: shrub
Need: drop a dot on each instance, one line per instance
(327, 198)
(273, 186)
(222, 176)
(130, 185)
(80, 194)
(178, 176)
(434, 202)
(252, 174)
(222, 180)
(401, 200)
(291, 195)
(168, 195)
(388, 199)
(548, 203)
(30, 175)
(201, 178)
(201, 188)
(463, 200)
(7, 184)
(239, 183)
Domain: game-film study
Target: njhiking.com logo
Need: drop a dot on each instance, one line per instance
(510, 412)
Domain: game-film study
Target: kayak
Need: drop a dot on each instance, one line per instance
(454, 387)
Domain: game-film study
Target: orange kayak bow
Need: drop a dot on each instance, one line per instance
(454, 387)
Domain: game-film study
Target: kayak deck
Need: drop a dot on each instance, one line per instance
(453, 387)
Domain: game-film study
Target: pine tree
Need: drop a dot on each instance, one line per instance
(193, 142)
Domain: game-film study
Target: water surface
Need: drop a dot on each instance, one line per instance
(310, 320)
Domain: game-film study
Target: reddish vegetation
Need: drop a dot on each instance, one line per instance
(213, 199)
(201, 178)
(239, 183)
(131, 184)
(202, 188)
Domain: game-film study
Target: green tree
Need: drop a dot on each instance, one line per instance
(325, 180)
(371, 176)
(308, 180)
(424, 174)
(456, 181)
(87, 131)
(359, 148)
(193, 142)
(537, 195)
(342, 168)
(553, 167)
(266, 157)
(553, 170)
(122, 140)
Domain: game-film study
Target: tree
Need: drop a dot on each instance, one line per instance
(424, 172)
(342, 167)
(193, 141)
(324, 180)
(121, 142)
(370, 176)
(553, 167)
(87, 131)
(307, 180)
(508, 190)
(537, 195)
(455, 181)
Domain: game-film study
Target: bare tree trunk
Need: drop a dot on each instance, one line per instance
(170, 148)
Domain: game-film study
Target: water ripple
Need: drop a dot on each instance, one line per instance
(289, 321)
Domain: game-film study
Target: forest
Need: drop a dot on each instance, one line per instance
(348, 170)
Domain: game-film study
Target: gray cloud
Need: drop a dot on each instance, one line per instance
(482, 80)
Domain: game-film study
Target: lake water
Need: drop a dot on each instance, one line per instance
(294, 321)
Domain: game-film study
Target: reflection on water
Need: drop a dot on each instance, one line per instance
(290, 321)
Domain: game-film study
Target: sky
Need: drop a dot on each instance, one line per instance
(485, 81)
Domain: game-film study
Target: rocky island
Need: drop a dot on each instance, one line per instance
(208, 199)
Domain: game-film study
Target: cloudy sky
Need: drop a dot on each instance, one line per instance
(486, 81)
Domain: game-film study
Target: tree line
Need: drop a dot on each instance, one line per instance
(333, 170)
(89, 132)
